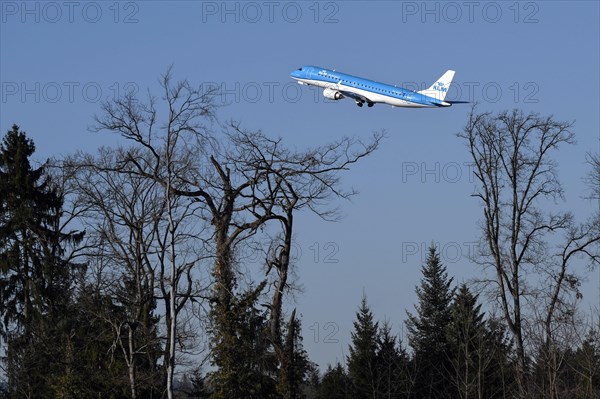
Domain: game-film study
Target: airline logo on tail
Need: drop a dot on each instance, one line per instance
(440, 86)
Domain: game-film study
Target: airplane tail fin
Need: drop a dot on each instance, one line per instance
(440, 88)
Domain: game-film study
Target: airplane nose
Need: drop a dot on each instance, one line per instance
(300, 73)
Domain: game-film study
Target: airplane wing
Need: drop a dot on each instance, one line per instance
(354, 96)
(351, 94)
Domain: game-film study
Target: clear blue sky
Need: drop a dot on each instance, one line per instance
(58, 59)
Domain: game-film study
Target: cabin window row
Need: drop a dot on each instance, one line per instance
(359, 84)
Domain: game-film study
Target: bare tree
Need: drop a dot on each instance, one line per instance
(515, 173)
(150, 238)
(241, 182)
(183, 245)
(285, 182)
(167, 159)
(123, 215)
(593, 177)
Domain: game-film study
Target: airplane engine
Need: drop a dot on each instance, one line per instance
(332, 94)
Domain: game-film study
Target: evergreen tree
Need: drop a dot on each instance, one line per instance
(587, 365)
(91, 366)
(197, 386)
(427, 330)
(579, 374)
(479, 351)
(295, 363)
(392, 366)
(35, 280)
(335, 384)
(313, 381)
(466, 333)
(362, 360)
(28, 210)
(500, 379)
(241, 351)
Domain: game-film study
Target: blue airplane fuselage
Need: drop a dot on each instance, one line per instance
(339, 85)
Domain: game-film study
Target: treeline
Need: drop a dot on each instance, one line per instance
(122, 272)
(453, 351)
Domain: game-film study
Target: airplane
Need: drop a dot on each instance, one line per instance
(340, 85)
